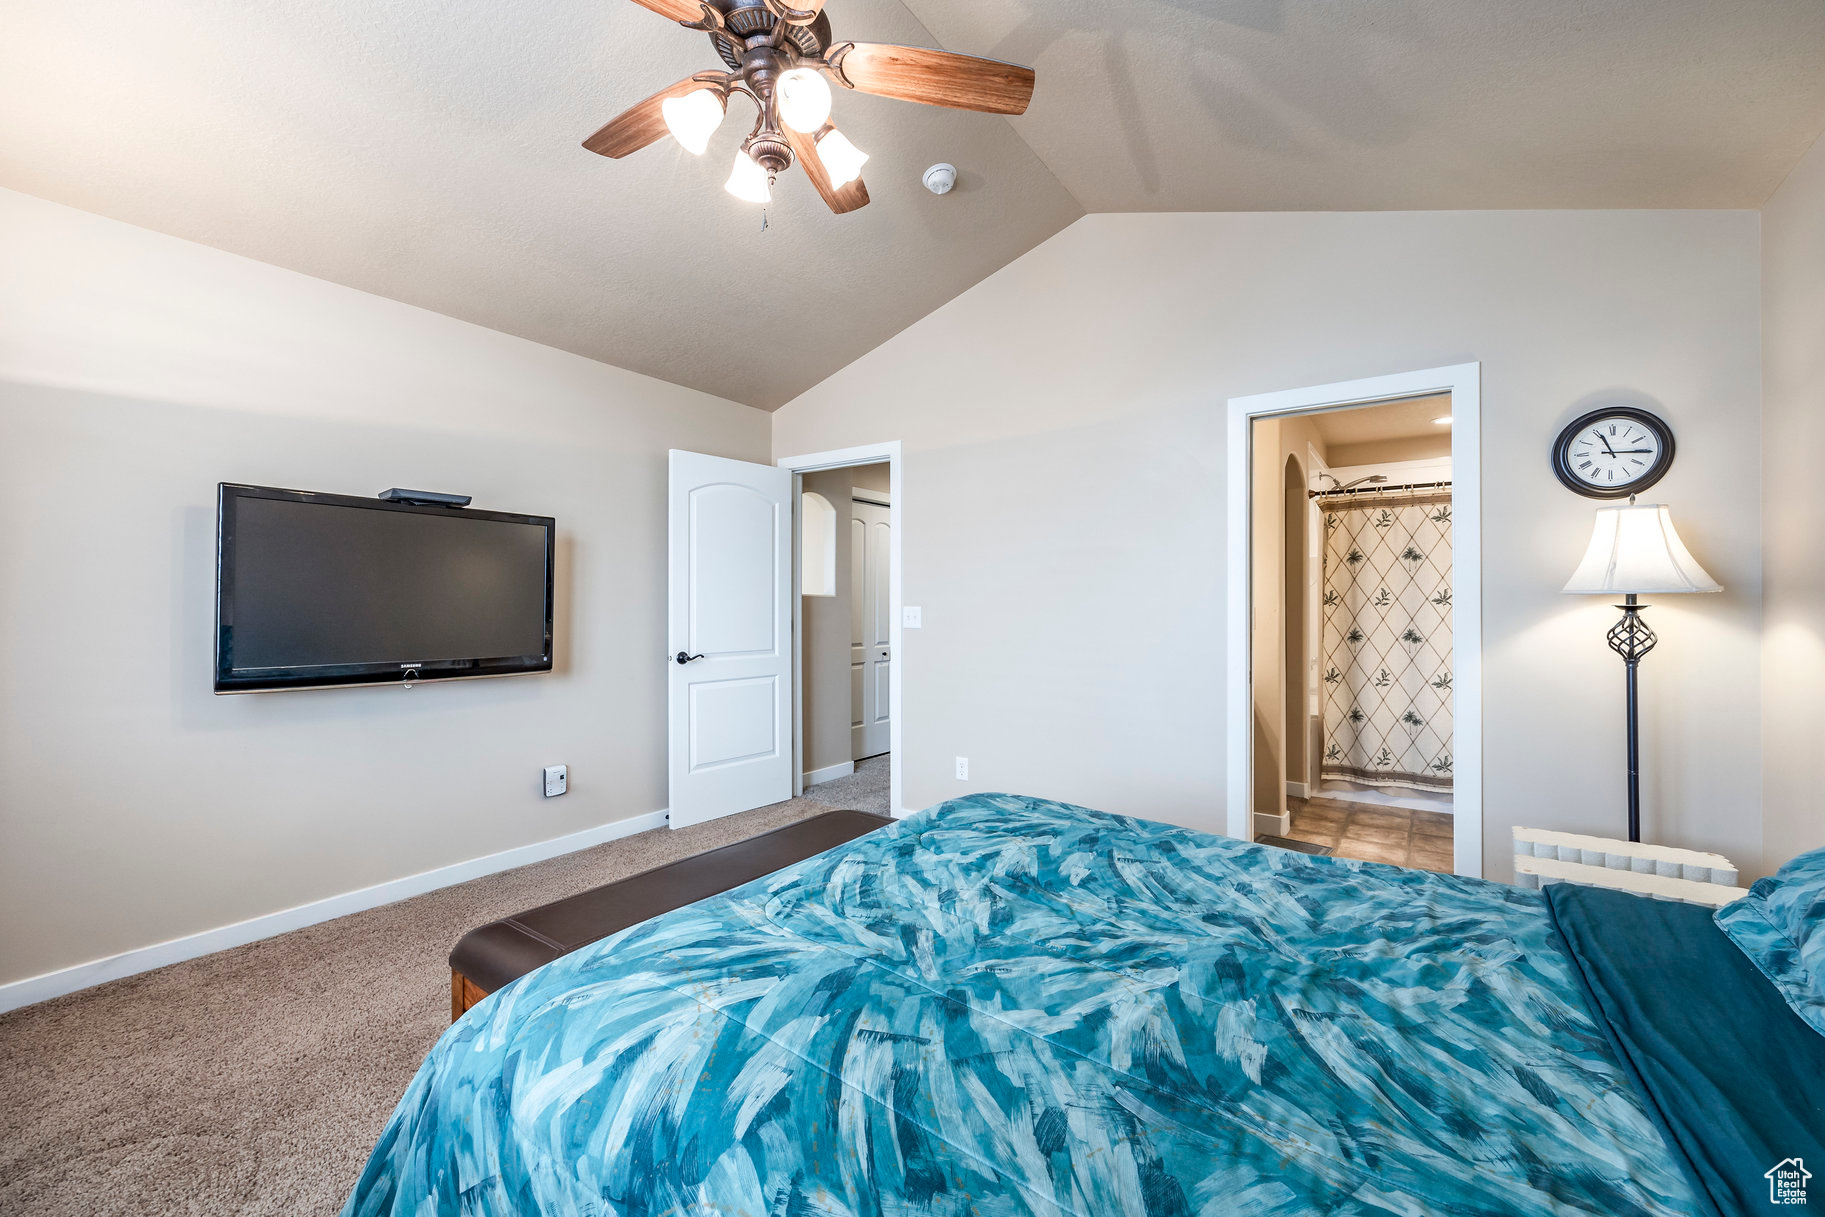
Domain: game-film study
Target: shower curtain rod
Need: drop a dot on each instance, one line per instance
(1326, 494)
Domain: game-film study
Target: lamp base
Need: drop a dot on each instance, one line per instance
(1632, 639)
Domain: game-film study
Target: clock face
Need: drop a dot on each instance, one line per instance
(1611, 453)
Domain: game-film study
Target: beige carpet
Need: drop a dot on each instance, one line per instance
(256, 1080)
(867, 789)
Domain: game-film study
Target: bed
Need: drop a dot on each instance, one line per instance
(1008, 1006)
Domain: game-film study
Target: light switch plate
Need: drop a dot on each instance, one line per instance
(557, 780)
(912, 617)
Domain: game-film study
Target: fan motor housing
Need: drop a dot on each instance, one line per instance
(747, 19)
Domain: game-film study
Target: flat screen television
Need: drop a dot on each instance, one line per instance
(323, 590)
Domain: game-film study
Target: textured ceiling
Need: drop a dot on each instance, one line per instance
(429, 152)
(1348, 105)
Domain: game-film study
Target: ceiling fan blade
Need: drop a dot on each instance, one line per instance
(933, 78)
(639, 125)
(842, 199)
(796, 12)
(687, 12)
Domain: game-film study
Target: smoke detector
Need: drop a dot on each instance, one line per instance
(940, 178)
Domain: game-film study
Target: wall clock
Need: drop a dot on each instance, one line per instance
(1613, 452)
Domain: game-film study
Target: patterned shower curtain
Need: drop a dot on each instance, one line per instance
(1387, 639)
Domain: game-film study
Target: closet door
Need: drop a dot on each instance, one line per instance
(870, 649)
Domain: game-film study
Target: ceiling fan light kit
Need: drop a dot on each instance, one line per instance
(694, 118)
(804, 100)
(782, 57)
(842, 158)
(748, 181)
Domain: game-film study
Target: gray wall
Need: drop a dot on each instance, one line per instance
(1063, 424)
(1793, 420)
(872, 477)
(137, 371)
(824, 656)
(1387, 451)
(1063, 498)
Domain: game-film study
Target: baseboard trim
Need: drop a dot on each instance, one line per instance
(34, 989)
(1297, 790)
(829, 773)
(1273, 825)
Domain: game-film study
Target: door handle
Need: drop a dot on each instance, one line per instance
(683, 658)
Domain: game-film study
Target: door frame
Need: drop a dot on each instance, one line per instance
(1464, 382)
(842, 458)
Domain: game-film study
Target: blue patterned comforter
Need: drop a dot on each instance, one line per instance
(1007, 1006)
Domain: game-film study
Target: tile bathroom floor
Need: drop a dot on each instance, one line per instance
(1420, 839)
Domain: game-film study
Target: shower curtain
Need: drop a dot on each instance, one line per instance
(1387, 639)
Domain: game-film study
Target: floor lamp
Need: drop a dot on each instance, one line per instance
(1635, 551)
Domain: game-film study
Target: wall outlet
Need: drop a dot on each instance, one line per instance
(963, 769)
(557, 780)
(912, 617)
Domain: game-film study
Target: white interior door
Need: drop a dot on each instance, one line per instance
(870, 649)
(730, 587)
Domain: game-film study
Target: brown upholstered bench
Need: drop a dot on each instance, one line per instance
(501, 952)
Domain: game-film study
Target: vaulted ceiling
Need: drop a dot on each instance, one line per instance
(1355, 105)
(430, 152)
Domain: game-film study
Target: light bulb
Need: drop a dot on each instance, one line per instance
(804, 99)
(841, 158)
(693, 118)
(748, 181)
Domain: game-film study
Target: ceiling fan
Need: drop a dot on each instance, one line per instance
(779, 55)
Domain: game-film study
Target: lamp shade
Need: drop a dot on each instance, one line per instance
(1635, 550)
(693, 118)
(804, 100)
(748, 181)
(842, 159)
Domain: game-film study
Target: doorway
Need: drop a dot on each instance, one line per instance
(845, 527)
(848, 628)
(1354, 559)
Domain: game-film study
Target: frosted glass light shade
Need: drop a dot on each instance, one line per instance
(804, 100)
(1634, 549)
(843, 159)
(693, 118)
(748, 181)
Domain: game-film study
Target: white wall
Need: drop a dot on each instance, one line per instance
(1063, 506)
(1793, 421)
(137, 371)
